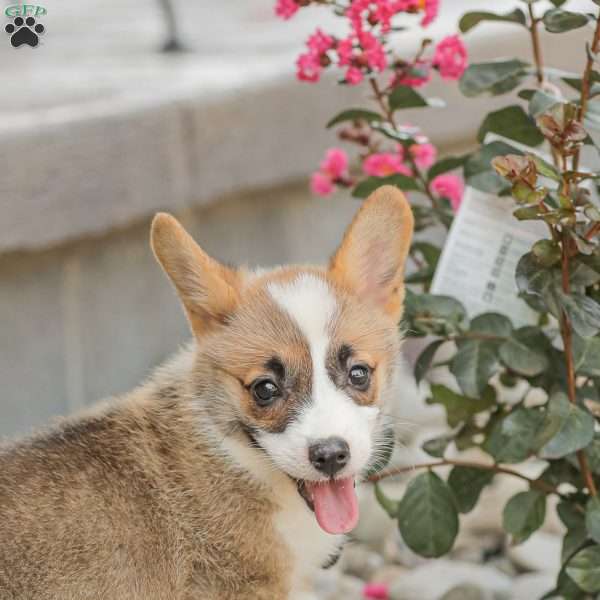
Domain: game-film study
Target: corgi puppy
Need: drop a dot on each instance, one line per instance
(231, 474)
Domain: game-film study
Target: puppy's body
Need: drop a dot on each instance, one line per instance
(138, 501)
(201, 484)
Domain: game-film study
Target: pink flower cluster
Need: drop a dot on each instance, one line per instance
(448, 186)
(363, 50)
(382, 164)
(450, 60)
(380, 12)
(333, 170)
(358, 54)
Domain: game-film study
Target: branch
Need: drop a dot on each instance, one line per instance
(534, 483)
(389, 115)
(535, 42)
(586, 83)
(566, 333)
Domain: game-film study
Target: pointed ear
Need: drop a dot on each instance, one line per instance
(370, 260)
(209, 290)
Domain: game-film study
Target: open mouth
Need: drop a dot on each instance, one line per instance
(334, 503)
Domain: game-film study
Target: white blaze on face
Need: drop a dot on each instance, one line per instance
(330, 412)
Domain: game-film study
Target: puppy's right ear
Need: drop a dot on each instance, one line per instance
(208, 290)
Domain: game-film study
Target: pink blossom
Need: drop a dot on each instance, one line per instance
(345, 48)
(320, 42)
(360, 52)
(450, 57)
(424, 154)
(335, 163)
(376, 591)
(354, 76)
(373, 12)
(286, 9)
(431, 8)
(373, 51)
(449, 186)
(308, 67)
(383, 164)
(321, 184)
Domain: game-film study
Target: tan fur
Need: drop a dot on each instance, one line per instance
(141, 499)
(370, 261)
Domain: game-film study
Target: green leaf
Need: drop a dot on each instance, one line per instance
(584, 569)
(540, 287)
(430, 254)
(593, 453)
(370, 184)
(586, 355)
(433, 314)
(471, 19)
(436, 447)
(390, 506)
(478, 169)
(584, 313)
(540, 102)
(547, 252)
(527, 213)
(423, 363)
(557, 20)
(496, 77)
(576, 82)
(526, 352)
(492, 324)
(473, 365)
(428, 519)
(592, 518)
(405, 96)
(511, 439)
(446, 164)
(460, 408)
(475, 360)
(511, 122)
(566, 428)
(566, 589)
(545, 168)
(355, 114)
(524, 514)
(467, 484)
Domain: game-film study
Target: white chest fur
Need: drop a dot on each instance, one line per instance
(309, 546)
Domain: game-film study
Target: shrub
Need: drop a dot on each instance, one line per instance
(545, 127)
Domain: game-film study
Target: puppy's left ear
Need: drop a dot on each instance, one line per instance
(370, 261)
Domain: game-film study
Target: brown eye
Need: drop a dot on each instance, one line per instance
(265, 392)
(359, 376)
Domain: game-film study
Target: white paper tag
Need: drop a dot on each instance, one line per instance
(479, 258)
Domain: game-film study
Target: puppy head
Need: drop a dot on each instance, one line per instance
(302, 359)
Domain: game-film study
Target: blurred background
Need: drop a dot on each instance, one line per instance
(100, 128)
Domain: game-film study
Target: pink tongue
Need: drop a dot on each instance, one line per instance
(336, 505)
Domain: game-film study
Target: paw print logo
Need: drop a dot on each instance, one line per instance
(24, 31)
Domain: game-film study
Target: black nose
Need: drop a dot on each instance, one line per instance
(330, 455)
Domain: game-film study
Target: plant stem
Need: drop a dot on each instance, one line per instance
(534, 483)
(586, 83)
(535, 42)
(566, 332)
(389, 115)
(380, 97)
